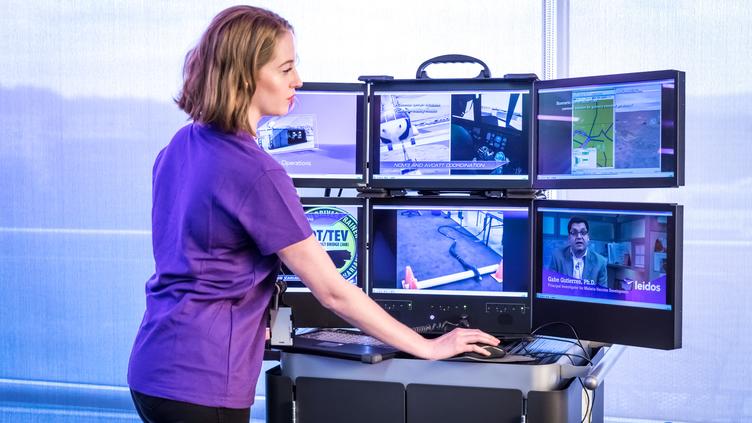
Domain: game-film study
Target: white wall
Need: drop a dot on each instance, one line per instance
(708, 379)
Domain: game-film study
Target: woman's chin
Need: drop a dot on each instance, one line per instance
(284, 110)
(280, 112)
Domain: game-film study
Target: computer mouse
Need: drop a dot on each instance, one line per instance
(496, 352)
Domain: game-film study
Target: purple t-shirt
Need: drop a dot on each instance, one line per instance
(222, 208)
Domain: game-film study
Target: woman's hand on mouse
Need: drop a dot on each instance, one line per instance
(459, 341)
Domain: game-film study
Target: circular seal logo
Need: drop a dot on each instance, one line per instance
(337, 231)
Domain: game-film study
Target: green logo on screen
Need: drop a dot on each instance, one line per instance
(337, 231)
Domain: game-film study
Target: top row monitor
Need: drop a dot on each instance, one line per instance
(611, 131)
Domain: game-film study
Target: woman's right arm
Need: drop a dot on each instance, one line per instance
(312, 264)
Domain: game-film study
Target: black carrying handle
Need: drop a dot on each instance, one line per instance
(452, 58)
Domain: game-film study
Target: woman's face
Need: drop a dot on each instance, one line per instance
(276, 81)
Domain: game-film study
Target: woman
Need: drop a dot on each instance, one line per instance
(224, 214)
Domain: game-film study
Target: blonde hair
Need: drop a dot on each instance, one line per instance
(219, 75)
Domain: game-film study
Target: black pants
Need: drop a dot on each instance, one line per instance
(159, 410)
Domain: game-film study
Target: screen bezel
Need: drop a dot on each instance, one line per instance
(619, 324)
(425, 306)
(677, 135)
(449, 85)
(307, 310)
(358, 177)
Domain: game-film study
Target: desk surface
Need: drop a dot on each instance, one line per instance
(524, 377)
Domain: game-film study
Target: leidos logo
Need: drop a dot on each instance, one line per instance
(647, 286)
(337, 231)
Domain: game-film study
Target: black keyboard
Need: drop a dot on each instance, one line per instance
(341, 336)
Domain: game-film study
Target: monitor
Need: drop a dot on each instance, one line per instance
(337, 223)
(611, 270)
(612, 131)
(436, 263)
(461, 135)
(320, 141)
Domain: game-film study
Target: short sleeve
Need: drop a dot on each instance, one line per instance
(272, 214)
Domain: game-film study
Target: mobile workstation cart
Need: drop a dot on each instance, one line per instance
(309, 388)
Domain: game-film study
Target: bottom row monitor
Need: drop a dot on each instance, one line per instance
(612, 271)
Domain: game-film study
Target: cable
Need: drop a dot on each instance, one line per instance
(589, 404)
(543, 354)
(584, 351)
(465, 233)
(465, 265)
(504, 338)
(574, 331)
(592, 403)
(588, 407)
(453, 250)
(410, 213)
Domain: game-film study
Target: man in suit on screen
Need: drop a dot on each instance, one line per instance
(575, 259)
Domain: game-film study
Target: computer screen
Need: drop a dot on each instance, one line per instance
(444, 260)
(613, 131)
(337, 224)
(459, 135)
(611, 270)
(320, 141)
